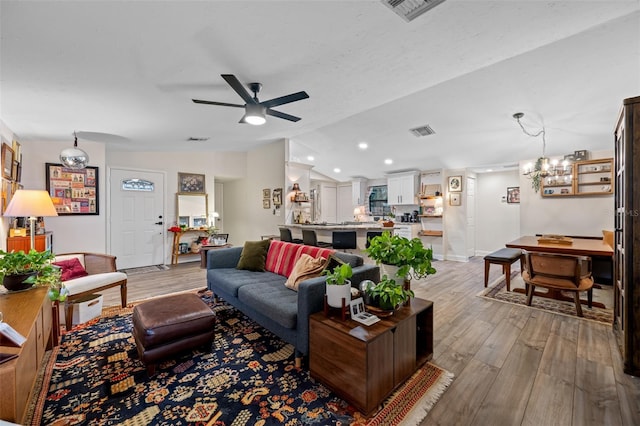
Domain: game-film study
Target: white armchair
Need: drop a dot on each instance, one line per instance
(103, 274)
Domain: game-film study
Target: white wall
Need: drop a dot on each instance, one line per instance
(579, 216)
(497, 222)
(8, 137)
(245, 218)
(76, 232)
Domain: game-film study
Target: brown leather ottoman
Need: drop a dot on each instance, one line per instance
(166, 326)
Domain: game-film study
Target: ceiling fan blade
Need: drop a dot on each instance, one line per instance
(198, 101)
(279, 114)
(285, 99)
(238, 87)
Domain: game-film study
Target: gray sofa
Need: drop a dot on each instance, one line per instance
(263, 296)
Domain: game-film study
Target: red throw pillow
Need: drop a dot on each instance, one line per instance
(71, 268)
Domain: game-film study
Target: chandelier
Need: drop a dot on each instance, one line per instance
(553, 170)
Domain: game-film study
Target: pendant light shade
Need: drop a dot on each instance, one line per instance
(74, 158)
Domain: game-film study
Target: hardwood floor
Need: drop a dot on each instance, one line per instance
(513, 365)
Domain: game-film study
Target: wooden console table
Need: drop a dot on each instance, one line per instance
(364, 364)
(29, 313)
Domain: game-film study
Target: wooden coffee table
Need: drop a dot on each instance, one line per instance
(364, 364)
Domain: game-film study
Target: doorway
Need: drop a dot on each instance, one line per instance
(136, 224)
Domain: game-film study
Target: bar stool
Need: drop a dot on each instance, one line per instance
(310, 238)
(370, 235)
(344, 240)
(285, 235)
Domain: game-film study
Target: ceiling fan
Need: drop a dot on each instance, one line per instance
(254, 109)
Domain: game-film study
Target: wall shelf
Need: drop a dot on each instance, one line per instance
(587, 178)
(431, 233)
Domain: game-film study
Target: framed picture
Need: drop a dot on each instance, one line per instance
(455, 199)
(73, 191)
(455, 183)
(266, 193)
(191, 183)
(7, 162)
(266, 203)
(513, 194)
(277, 197)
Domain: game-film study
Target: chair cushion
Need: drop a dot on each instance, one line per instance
(90, 282)
(71, 268)
(584, 284)
(504, 254)
(254, 256)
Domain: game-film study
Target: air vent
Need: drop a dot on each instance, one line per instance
(192, 139)
(411, 9)
(421, 131)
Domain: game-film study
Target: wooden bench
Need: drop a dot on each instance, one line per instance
(504, 257)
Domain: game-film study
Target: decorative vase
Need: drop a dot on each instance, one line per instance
(335, 294)
(16, 282)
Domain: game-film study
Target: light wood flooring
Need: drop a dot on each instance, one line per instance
(513, 365)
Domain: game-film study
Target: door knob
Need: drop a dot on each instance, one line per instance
(159, 223)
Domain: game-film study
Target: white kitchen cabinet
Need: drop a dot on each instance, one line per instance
(359, 192)
(401, 189)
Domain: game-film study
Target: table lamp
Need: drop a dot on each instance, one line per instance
(32, 204)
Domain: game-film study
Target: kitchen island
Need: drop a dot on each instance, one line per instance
(324, 232)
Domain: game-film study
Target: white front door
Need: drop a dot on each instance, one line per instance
(136, 217)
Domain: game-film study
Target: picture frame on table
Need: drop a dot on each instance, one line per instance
(74, 192)
(455, 184)
(513, 195)
(191, 183)
(455, 199)
(7, 161)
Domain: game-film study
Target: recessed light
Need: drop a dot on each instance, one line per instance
(489, 170)
(310, 158)
(336, 170)
(363, 145)
(388, 161)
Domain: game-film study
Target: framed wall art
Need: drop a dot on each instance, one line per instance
(513, 194)
(455, 183)
(266, 193)
(266, 203)
(7, 161)
(455, 199)
(73, 191)
(191, 183)
(277, 197)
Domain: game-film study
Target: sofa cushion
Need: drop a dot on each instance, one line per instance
(272, 300)
(254, 256)
(306, 267)
(281, 257)
(229, 280)
(91, 282)
(71, 268)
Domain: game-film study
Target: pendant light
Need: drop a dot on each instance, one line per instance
(74, 158)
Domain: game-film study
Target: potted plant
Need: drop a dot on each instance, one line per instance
(338, 285)
(410, 257)
(19, 269)
(388, 295)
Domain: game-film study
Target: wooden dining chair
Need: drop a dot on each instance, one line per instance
(558, 272)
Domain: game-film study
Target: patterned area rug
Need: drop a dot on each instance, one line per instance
(498, 291)
(145, 269)
(248, 378)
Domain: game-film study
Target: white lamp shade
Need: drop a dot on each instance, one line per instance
(30, 203)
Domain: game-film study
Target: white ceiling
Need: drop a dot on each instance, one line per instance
(124, 73)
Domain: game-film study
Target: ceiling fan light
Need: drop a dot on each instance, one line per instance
(254, 115)
(74, 157)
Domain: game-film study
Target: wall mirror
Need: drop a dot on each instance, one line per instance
(192, 210)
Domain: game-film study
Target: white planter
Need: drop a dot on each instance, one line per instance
(390, 271)
(335, 293)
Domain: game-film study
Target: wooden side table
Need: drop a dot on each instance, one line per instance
(364, 364)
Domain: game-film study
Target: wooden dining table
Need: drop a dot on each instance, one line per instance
(579, 246)
(591, 247)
